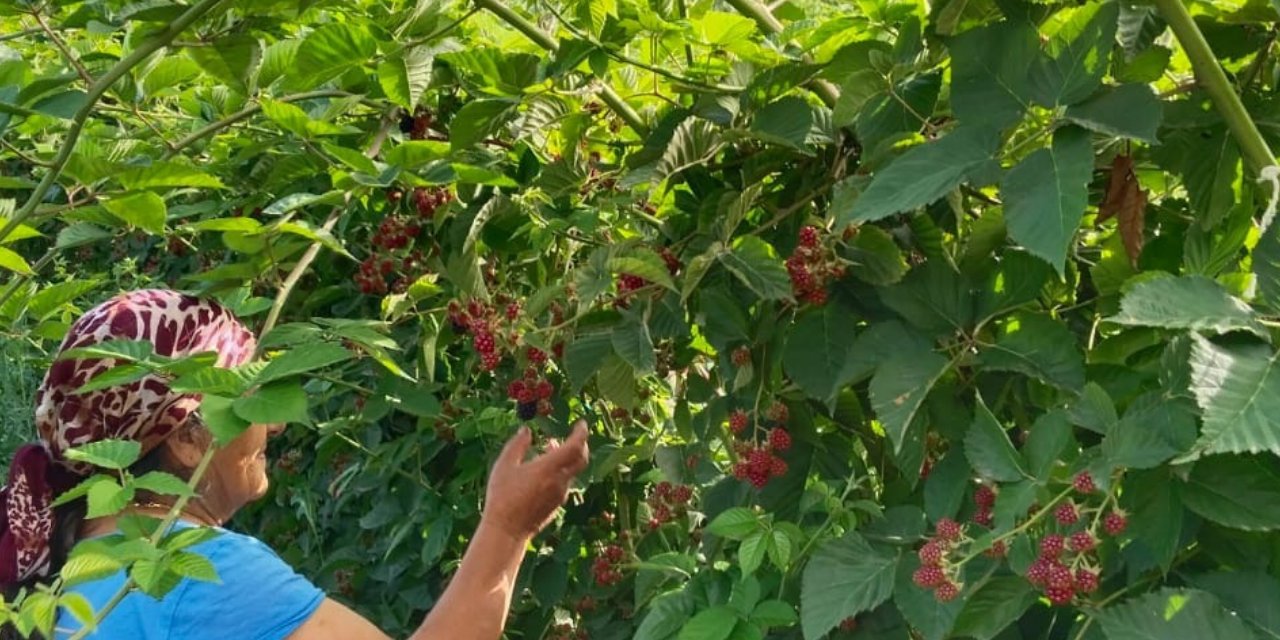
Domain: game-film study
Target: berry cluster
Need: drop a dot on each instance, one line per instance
(936, 573)
(628, 284)
(532, 394)
(427, 201)
(984, 497)
(669, 257)
(607, 566)
(812, 267)
(758, 462)
(667, 502)
(487, 328)
(418, 125)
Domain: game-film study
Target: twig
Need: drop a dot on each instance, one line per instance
(24, 157)
(243, 114)
(95, 93)
(62, 47)
(770, 24)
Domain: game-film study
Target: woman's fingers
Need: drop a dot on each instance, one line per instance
(516, 448)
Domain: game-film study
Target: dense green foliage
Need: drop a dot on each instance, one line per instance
(824, 281)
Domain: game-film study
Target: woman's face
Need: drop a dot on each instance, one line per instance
(238, 472)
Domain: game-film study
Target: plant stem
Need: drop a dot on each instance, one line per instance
(95, 93)
(1215, 83)
(243, 114)
(546, 41)
(770, 24)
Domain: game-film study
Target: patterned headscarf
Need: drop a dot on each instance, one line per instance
(146, 410)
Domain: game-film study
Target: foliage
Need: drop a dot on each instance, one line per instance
(889, 322)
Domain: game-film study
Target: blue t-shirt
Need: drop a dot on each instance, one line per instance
(260, 598)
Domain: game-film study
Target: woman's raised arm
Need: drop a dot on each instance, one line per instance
(521, 499)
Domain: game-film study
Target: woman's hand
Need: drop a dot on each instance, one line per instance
(523, 497)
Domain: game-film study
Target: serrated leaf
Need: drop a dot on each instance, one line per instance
(1249, 593)
(692, 143)
(631, 340)
(404, 78)
(1126, 111)
(1038, 346)
(1194, 303)
(785, 121)
(752, 551)
(275, 403)
(1154, 501)
(899, 387)
(143, 209)
(876, 257)
(231, 59)
(88, 567)
(989, 450)
(220, 418)
(990, 67)
(107, 498)
(920, 176)
(735, 524)
(996, 605)
(194, 566)
(80, 234)
(1050, 435)
(774, 613)
(844, 577)
(9, 259)
(303, 360)
(167, 175)
(645, 263)
(1045, 196)
(1077, 56)
(478, 120)
(330, 51)
(53, 297)
(116, 376)
(715, 623)
(1236, 388)
(757, 265)
(1172, 614)
(934, 620)
(1149, 435)
(818, 350)
(108, 454)
(933, 298)
(162, 483)
(1242, 492)
(126, 350)
(947, 484)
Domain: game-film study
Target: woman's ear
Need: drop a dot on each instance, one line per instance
(186, 447)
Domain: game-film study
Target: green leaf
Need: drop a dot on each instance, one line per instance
(752, 551)
(585, 355)
(643, 262)
(220, 418)
(302, 360)
(1038, 346)
(1150, 434)
(844, 577)
(1045, 196)
(780, 549)
(774, 613)
(989, 450)
(78, 491)
(114, 377)
(1250, 594)
(108, 454)
(127, 350)
(141, 209)
(404, 78)
(994, 606)
(757, 265)
(876, 257)
(162, 483)
(1241, 492)
(631, 340)
(1238, 390)
(919, 177)
(293, 119)
(108, 498)
(1193, 303)
(616, 381)
(54, 297)
(330, 51)
(169, 74)
(947, 484)
(785, 121)
(735, 524)
(933, 298)
(194, 566)
(88, 567)
(75, 235)
(899, 388)
(9, 259)
(478, 120)
(666, 616)
(1126, 111)
(817, 352)
(1050, 435)
(934, 620)
(1154, 501)
(1077, 55)
(989, 72)
(231, 59)
(275, 403)
(1172, 614)
(167, 175)
(693, 141)
(715, 623)
(1209, 161)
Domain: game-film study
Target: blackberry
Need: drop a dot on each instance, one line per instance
(527, 410)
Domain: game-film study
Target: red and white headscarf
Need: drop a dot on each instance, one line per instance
(146, 410)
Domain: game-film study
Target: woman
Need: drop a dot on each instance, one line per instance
(259, 595)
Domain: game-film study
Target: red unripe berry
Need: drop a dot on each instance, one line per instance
(998, 549)
(1086, 581)
(1083, 483)
(1082, 541)
(849, 625)
(929, 576)
(949, 530)
(777, 467)
(817, 297)
(513, 311)
(946, 592)
(931, 552)
(536, 355)
(682, 494)
(1038, 572)
(779, 439)
(778, 412)
(738, 422)
(983, 517)
(1060, 596)
(1115, 522)
(1059, 577)
(1066, 514)
(1051, 546)
(741, 357)
(984, 496)
(809, 237)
